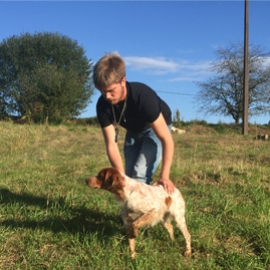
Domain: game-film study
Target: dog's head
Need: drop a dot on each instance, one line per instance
(108, 179)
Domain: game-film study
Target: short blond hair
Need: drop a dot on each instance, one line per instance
(108, 70)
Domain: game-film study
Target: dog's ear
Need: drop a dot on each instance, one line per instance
(112, 180)
(107, 176)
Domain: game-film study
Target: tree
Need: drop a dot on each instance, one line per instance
(177, 118)
(44, 75)
(223, 94)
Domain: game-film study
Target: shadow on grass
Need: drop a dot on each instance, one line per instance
(72, 220)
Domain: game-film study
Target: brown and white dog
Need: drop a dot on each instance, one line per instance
(143, 205)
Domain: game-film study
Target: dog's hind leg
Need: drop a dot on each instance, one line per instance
(169, 228)
(181, 224)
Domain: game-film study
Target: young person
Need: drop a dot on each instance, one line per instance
(145, 116)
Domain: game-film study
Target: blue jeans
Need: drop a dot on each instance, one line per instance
(143, 153)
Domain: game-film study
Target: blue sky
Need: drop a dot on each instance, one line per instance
(168, 45)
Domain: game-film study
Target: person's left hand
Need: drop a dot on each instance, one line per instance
(167, 185)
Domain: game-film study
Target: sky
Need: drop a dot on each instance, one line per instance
(168, 45)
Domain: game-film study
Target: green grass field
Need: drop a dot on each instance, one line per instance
(49, 218)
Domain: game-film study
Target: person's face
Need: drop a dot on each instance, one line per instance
(115, 92)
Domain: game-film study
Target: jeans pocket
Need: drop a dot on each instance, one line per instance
(129, 140)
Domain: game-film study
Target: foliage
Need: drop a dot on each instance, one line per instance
(177, 119)
(223, 94)
(93, 121)
(44, 75)
(49, 218)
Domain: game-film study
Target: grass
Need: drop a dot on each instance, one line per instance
(49, 218)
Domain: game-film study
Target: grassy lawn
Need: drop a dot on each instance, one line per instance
(49, 218)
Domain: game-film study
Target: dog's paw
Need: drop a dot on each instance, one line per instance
(133, 255)
(187, 253)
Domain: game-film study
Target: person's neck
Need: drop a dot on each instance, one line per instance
(124, 94)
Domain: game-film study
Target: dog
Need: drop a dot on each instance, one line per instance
(143, 205)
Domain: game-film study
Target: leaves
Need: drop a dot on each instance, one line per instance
(44, 75)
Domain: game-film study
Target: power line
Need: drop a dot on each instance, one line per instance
(183, 94)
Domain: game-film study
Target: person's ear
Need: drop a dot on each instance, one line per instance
(124, 80)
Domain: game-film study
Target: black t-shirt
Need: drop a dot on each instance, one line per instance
(143, 107)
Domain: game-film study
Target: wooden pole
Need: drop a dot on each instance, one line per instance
(246, 73)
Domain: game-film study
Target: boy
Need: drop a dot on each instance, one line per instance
(145, 116)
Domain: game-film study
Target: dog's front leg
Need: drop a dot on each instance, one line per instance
(131, 242)
(132, 233)
(144, 220)
(133, 228)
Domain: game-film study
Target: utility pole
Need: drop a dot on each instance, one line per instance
(246, 73)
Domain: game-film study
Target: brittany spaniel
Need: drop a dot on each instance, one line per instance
(143, 205)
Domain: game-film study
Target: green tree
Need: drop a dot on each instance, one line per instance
(44, 75)
(177, 119)
(223, 94)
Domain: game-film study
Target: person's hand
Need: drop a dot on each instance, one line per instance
(167, 185)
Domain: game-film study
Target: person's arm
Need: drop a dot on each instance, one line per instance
(112, 148)
(162, 131)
